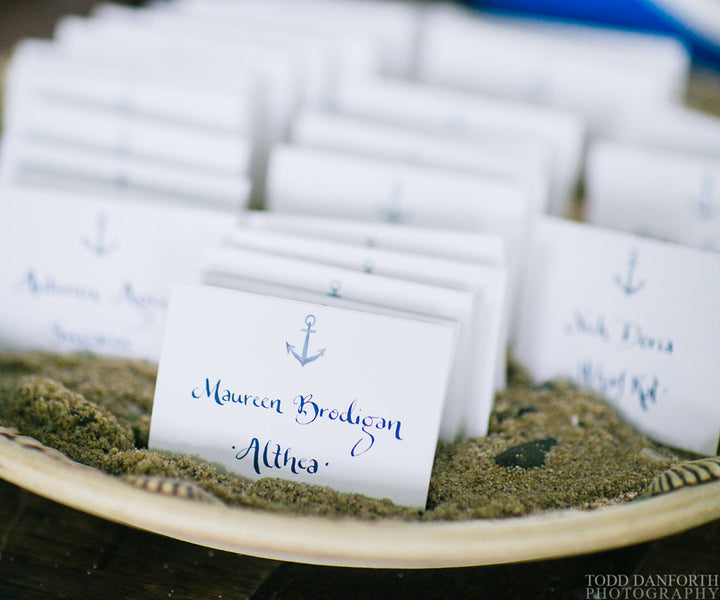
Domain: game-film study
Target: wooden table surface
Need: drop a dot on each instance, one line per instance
(49, 551)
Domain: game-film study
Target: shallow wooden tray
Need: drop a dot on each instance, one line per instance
(348, 542)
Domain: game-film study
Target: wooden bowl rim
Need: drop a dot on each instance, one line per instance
(354, 542)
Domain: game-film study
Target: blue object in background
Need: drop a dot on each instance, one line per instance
(641, 15)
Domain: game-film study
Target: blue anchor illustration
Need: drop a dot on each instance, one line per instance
(99, 245)
(393, 212)
(628, 286)
(707, 207)
(304, 358)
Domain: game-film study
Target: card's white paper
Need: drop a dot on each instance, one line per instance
(393, 24)
(670, 126)
(328, 55)
(484, 249)
(55, 164)
(129, 134)
(663, 194)
(328, 131)
(261, 272)
(534, 132)
(489, 283)
(270, 387)
(313, 182)
(578, 68)
(633, 319)
(101, 75)
(88, 273)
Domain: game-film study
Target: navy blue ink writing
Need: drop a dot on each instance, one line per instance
(621, 385)
(89, 340)
(309, 412)
(625, 333)
(145, 303)
(272, 456)
(49, 286)
(222, 396)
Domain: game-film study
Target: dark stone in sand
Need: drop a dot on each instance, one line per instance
(526, 410)
(527, 455)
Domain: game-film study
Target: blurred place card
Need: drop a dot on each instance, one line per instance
(484, 249)
(88, 273)
(489, 283)
(671, 127)
(594, 72)
(552, 138)
(664, 194)
(314, 182)
(328, 55)
(310, 60)
(58, 165)
(145, 87)
(298, 279)
(634, 320)
(129, 134)
(394, 25)
(328, 131)
(315, 394)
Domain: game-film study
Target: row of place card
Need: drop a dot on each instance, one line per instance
(405, 244)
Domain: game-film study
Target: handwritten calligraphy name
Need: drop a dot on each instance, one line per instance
(623, 332)
(273, 456)
(309, 411)
(223, 396)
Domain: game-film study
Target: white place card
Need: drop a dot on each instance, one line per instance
(489, 283)
(98, 128)
(144, 87)
(88, 273)
(393, 24)
(260, 272)
(576, 68)
(309, 61)
(58, 165)
(671, 127)
(484, 249)
(329, 54)
(633, 319)
(321, 395)
(665, 194)
(328, 131)
(313, 182)
(548, 136)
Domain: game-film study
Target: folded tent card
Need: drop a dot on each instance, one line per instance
(595, 72)
(664, 194)
(328, 131)
(110, 129)
(630, 318)
(277, 275)
(552, 138)
(95, 273)
(313, 393)
(392, 25)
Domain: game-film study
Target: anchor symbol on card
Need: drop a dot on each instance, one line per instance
(98, 244)
(708, 204)
(393, 212)
(304, 358)
(627, 283)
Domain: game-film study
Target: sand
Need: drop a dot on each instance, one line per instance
(549, 447)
